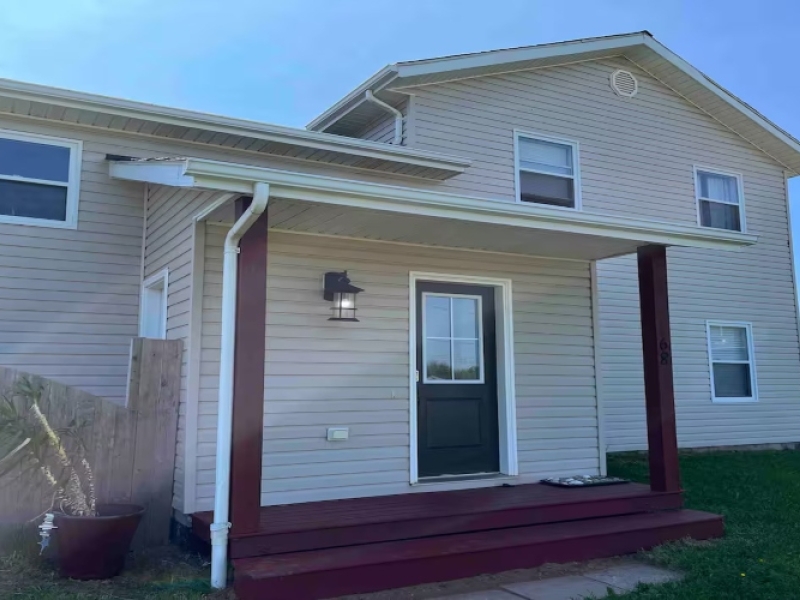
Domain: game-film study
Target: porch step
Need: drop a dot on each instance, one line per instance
(331, 524)
(318, 574)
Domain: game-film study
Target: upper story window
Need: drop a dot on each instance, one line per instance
(39, 180)
(547, 171)
(720, 203)
(730, 354)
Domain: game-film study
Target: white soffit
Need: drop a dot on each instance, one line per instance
(640, 48)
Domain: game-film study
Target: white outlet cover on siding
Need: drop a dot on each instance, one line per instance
(624, 83)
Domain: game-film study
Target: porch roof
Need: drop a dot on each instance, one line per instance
(333, 206)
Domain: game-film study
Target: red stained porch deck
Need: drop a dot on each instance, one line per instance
(325, 549)
(317, 525)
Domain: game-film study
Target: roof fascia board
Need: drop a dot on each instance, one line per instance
(378, 81)
(500, 57)
(720, 92)
(231, 126)
(329, 190)
(171, 173)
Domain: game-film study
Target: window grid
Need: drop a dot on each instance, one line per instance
(452, 339)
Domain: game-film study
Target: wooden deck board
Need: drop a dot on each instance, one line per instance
(326, 573)
(318, 525)
(360, 511)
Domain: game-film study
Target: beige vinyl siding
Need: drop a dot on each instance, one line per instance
(382, 129)
(636, 159)
(69, 298)
(169, 244)
(636, 154)
(321, 373)
(754, 285)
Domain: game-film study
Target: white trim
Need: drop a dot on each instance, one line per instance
(231, 177)
(697, 169)
(72, 184)
(506, 382)
(748, 327)
(193, 365)
(576, 168)
(452, 339)
(161, 278)
(598, 370)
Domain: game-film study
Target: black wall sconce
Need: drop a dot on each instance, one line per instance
(337, 288)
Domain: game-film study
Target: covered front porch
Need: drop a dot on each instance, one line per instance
(334, 423)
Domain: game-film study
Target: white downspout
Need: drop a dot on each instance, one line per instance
(398, 117)
(220, 526)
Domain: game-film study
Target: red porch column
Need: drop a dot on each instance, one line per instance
(248, 375)
(657, 357)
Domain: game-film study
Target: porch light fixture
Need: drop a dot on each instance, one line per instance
(338, 289)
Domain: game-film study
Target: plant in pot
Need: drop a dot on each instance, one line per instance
(91, 539)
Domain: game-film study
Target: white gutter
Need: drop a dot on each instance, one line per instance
(221, 525)
(398, 116)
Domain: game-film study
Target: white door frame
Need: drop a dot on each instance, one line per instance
(506, 399)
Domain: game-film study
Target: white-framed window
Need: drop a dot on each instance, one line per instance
(720, 199)
(153, 314)
(731, 361)
(39, 180)
(547, 170)
(452, 338)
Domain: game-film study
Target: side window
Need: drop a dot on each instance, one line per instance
(39, 178)
(547, 171)
(720, 202)
(153, 320)
(730, 354)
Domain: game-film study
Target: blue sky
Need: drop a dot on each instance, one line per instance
(285, 61)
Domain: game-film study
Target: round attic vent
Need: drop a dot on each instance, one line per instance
(624, 83)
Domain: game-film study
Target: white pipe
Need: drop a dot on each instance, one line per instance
(398, 116)
(221, 525)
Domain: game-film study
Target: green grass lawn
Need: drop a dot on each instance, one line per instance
(759, 557)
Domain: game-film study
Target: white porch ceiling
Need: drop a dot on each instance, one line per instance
(327, 219)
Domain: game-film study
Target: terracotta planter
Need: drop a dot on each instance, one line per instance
(95, 547)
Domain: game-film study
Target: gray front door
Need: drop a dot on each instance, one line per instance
(457, 383)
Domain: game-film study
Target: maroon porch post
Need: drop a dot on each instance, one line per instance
(248, 375)
(657, 357)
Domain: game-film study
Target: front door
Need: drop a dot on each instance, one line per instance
(457, 428)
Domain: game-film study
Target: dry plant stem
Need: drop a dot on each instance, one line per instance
(74, 496)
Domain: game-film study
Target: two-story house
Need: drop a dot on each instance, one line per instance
(470, 274)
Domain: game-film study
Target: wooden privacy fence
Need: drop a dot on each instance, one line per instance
(130, 448)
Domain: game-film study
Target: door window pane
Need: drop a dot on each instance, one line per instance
(466, 360)
(465, 318)
(437, 360)
(437, 316)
